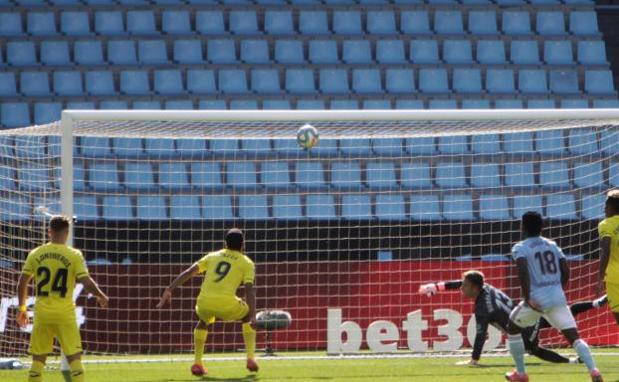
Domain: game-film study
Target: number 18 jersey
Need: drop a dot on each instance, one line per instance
(543, 257)
(224, 271)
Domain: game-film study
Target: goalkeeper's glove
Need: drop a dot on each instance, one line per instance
(431, 289)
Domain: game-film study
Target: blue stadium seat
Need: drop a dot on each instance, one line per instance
(256, 147)
(253, 207)
(334, 81)
(122, 52)
(152, 52)
(525, 203)
(201, 81)
(265, 81)
(243, 22)
(359, 147)
(310, 104)
(188, 52)
(47, 112)
(433, 81)
(205, 175)
(508, 104)
(275, 175)
(541, 103)
(516, 23)
(104, 177)
(179, 105)
(467, 81)
(320, 207)
(255, 52)
(376, 104)
(217, 207)
(550, 142)
(109, 23)
(113, 105)
(415, 22)
(343, 104)
(288, 148)
(493, 207)
(128, 147)
(357, 52)
(500, 81)
(475, 104)
(457, 52)
(558, 52)
(588, 174)
(424, 52)
(7, 178)
(139, 176)
(327, 148)
(347, 22)
(561, 207)
(485, 175)
(453, 145)
(313, 23)
(366, 81)
(584, 23)
(161, 148)
(583, 141)
(173, 176)
(564, 82)
(381, 23)
(88, 53)
(278, 22)
(592, 52)
(168, 82)
(458, 207)
(34, 178)
(213, 104)
(400, 81)
(55, 53)
(8, 85)
(221, 51)
(68, 84)
(117, 207)
(448, 22)
(390, 207)
(485, 144)
(425, 208)
(210, 22)
(176, 22)
(550, 23)
(185, 207)
(482, 23)
(390, 52)
(387, 146)
(567, 103)
(450, 175)
(34, 84)
(287, 207)
(519, 174)
(242, 175)
(232, 81)
(141, 23)
(554, 174)
(41, 24)
(289, 52)
(323, 52)
(276, 104)
(10, 24)
(356, 207)
(146, 105)
(442, 104)
(606, 103)
(95, 147)
(592, 207)
(381, 175)
(310, 175)
(73, 23)
(134, 82)
(224, 147)
(532, 81)
(491, 52)
(599, 82)
(21, 53)
(80, 105)
(613, 174)
(29, 147)
(420, 146)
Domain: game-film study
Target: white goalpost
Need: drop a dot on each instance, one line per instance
(342, 234)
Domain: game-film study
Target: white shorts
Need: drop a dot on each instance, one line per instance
(560, 317)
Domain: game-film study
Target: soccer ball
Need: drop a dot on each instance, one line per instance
(307, 136)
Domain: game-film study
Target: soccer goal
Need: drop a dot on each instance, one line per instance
(342, 234)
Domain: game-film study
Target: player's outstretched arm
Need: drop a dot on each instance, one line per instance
(93, 288)
(250, 296)
(178, 281)
(604, 256)
(431, 289)
(22, 295)
(480, 340)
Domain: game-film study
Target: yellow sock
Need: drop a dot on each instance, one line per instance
(199, 339)
(249, 336)
(36, 371)
(77, 371)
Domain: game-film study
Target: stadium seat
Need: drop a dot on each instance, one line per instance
(542, 103)
(176, 22)
(210, 22)
(433, 81)
(400, 81)
(46, 112)
(287, 207)
(442, 104)
(213, 104)
(55, 53)
(516, 23)
(278, 22)
(381, 175)
(519, 175)
(323, 52)
(554, 174)
(475, 104)
(34, 178)
(68, 84)
(355, 147)
(343, 104)
(178, 105)
(564, 82)
(243, 22)
(550, 142)
(10, 24)
(493, 207)
(450, 175)
(390, 52)
(458, 207)
(122, 52)
(456, 145)
(41, 24)
(255, 52)
(104, 177)
(500, 81)
(366, 81)
(185, 207)
(310, 104)
(584, 23)
(139, 176)
(113, 105)
(310, 176)
(482, 23)
(168, 82)
(485, 175)
(29, 147)
(173, 176)
(334, 81)
(253, 207)
(134, 82)
(275, 175)
(467, 81)
(7, 178)
(161, 148)
(117, 207)
(276, 104)
(491, 52)
(188, 52)
(376, 104)
(205, 175)
(592, 207)
(390, 207)
(146, 105)
(254, 148)
(381, 23)
(152, 52)
(561, 207)
(424, 52)
(232, 81)
(88, 53)
(217, 207)
(312, 23)
(592, 52)
(613, 174)
(21, 53)
(15, 209)
(525, 203)
(356, 207)
(415, 22)
(420, 146)
(448, 22)
(550, 23)
(567, 103)
(95, 147)
(141, 23)
(558, 52)
(289, 52)
(265, 81)
(347, 23)
(221, 51)
(588, 174)
(201, 81)
(425, 208)
(457, 52)
(532, 81)
(80, 105)
(34, 84)
(320, 207)
(599, 82)
(485, 144)
(128, 147)
(606, 103)
(73, 23)
(583, 141)
(242, 175)
(387, 146)
(224, 147)
(357, 52)
(346, 175)
(8, 85)
(243, 104)
(109, 23)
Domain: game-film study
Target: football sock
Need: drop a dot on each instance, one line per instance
(584, 353)
(36, 371)
(516, 348)
(249, 336)
(77, 370)
(199, 339)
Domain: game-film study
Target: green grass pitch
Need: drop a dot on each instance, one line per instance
(333, 370)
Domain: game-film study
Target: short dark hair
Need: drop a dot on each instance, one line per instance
(532, 223)
(474, 277)
(612, 200)
(234, 239)
(59, 223)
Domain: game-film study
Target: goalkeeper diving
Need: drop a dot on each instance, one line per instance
(493, 307)
(224, 272)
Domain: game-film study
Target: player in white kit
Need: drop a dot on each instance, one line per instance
(543, 273)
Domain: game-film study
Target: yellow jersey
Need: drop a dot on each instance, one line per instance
(609, 227)
(224, 271)
(55, 268)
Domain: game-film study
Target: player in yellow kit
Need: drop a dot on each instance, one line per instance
(224, 272)
(55, 268)
(609, 252)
